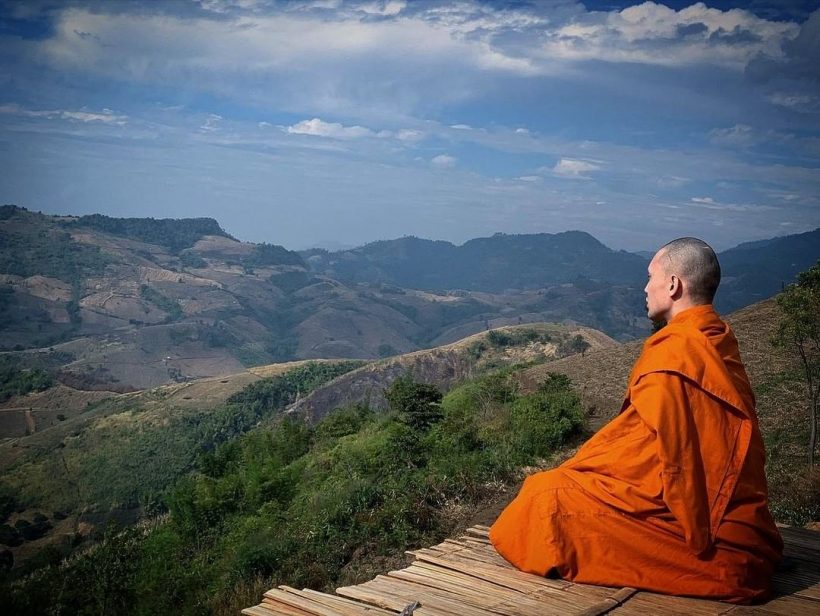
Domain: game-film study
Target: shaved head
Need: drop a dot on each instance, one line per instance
(694, 262)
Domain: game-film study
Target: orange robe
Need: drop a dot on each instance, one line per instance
(671, 495)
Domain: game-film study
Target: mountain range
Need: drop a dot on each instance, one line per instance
(123, 304)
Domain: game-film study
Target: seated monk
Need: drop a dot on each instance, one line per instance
(671, 495)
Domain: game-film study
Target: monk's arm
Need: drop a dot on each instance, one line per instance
(663, 404)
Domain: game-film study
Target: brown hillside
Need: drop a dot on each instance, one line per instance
(443, 366)
(143, 315)
(601, 374)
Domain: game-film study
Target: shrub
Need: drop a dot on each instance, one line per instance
(415, 404)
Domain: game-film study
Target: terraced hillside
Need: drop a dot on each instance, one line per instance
(127, 304)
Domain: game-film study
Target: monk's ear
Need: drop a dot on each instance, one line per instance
(675, 286)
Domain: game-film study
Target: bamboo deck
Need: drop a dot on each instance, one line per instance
(466, 577)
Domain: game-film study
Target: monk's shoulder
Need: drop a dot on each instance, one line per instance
(675, 348)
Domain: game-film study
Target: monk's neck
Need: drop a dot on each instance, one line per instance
(685, 314)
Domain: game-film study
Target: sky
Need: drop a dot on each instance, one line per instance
(328, 123)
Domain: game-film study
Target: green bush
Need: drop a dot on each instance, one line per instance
(192, 260)
(271, 254)
(166, 304)
(17, 382)
(33, 250)
(10, 536)
(415, 404)
(174, 234)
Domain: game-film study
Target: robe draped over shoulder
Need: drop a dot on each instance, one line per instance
(671, 495)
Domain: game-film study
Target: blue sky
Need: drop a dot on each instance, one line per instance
(338, 123)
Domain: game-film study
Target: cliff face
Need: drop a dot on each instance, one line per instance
(448, 365)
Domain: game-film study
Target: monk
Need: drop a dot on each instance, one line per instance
(671, 495)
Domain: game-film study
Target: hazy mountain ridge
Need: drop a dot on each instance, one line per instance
(121, 313)
(754, 271)
(491, 264)
(123, 304)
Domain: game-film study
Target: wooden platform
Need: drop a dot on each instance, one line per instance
(466, 577)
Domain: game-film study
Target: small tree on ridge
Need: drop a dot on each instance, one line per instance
(800, 331)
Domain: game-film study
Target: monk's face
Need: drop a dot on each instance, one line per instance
(658, 290)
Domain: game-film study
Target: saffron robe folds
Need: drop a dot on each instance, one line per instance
(671, 495)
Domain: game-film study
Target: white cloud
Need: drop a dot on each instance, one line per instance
(343, 58)
(106, 116)
(149, 46)
(226, 6)
(211, 123)
(574, 168)
(409, 134)
(796, 102)
(738, 135)
(671, 181)
(710, 203)
(333, 130)
(444, 161)
(462, 127)
(744, 136)
(391, 7)
(652, 33)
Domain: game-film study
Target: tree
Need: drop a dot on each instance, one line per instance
(799, 331)
(415, 404)
(579, 345)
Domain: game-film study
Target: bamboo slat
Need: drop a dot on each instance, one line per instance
(478, 531)
(335, 604)
(477, 576)
(781, 606)
(299, 602)
(346, 606)
(259, 610)
(444, 580)
(479, 592)
(610, 603)
(429, 597)
(532, 596)
(367, 593)
(648, 603)
(509, 578)
(467, 556)
(801, 537)
(283, 609)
